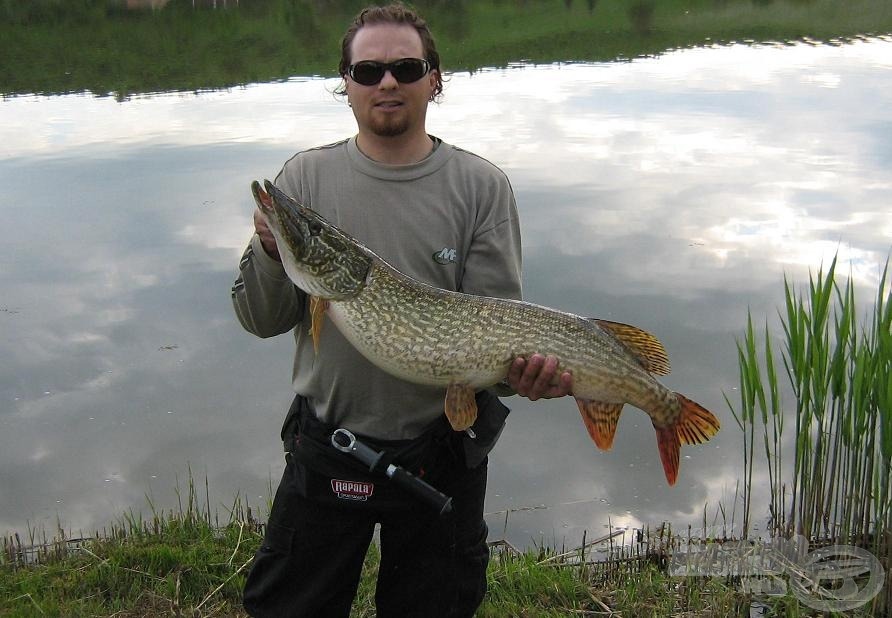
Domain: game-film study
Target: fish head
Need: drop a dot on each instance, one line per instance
(319, 258)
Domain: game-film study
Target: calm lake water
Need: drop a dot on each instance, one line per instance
(671, 192)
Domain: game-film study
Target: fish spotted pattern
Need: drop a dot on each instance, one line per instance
(462, 342)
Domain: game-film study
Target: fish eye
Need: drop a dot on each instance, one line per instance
(314, 227)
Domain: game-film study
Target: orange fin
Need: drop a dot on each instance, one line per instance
(317, 317)
(600, 420)
(667, 442)
(696, 424)
(646, 348)
(461, 406)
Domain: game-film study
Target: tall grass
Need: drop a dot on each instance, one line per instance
(837, 483)
(174, 563)
(185, 563)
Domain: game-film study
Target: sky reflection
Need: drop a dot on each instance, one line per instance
(668, 192)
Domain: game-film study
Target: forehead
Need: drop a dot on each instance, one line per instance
(385, 42)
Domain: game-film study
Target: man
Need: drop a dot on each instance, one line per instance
(444, 216)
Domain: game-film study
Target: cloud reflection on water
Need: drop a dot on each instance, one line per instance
(667, 192)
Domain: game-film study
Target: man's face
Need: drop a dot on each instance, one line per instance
(389, 108)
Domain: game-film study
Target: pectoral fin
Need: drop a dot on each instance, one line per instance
(461, 406)
(600, 420)
(317, 317)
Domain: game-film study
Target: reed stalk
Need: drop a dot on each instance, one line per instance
(839, 371)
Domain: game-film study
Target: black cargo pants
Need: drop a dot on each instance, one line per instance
(324, 515)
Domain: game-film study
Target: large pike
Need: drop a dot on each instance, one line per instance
(462, 342)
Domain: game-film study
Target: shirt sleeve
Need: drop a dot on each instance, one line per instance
(265, 300)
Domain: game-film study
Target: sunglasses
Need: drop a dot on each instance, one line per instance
(404, 70)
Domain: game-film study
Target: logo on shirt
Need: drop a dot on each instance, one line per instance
(445, 256)
(352, 490)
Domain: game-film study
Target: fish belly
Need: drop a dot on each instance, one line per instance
(419, 352)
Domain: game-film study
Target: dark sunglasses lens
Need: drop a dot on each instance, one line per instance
(367, 73)
(408, 70)
(405, 71)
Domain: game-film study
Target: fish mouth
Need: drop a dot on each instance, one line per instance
(284, 206)
(260, 196)
(282, 215)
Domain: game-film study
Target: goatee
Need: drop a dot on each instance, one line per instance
(390, 128)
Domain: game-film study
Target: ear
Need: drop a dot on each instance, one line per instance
(432, 76)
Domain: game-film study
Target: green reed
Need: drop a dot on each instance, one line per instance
(839, 372)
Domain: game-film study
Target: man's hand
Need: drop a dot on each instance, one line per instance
(537, 378)
(266, 236)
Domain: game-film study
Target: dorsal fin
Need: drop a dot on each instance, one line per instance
(646, 348)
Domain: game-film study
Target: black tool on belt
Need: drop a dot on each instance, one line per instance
(346, 442)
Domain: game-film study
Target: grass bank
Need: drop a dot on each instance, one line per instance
(182, 564)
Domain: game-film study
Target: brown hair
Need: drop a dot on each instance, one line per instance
(394, 13)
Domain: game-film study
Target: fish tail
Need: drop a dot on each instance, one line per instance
(667, 442)
(695, 425)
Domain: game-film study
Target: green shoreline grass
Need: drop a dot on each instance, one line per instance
(182, 564)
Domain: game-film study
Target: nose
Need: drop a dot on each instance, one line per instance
(388, 81)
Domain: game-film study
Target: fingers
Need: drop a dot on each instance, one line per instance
(538, 378)
(545, 371)
(266, 236)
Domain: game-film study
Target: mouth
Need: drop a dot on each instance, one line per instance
(389, 105)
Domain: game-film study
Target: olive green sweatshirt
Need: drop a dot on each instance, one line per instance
(449, 220)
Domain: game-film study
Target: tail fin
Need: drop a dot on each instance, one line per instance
(667, 442)
(695, 425)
